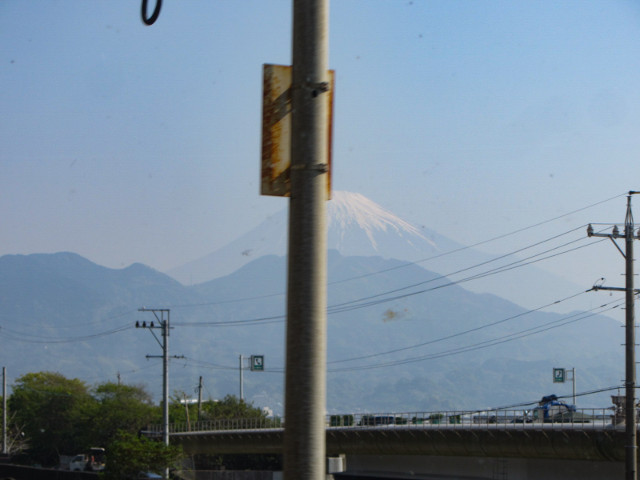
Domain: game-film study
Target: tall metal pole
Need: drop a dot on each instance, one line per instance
(165, 379)
(630, 340)
(630, 384)
(241, 380)
(305, 380)
(200, 399)
(5, 450)
(164, 344)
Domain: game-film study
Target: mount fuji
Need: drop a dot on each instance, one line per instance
(357, 226)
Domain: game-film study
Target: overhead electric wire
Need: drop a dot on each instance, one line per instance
(446, 276)
(408, 264)
(353, 304)
(535, 402)
(98, 321)
(483, 242)
(19, 336)
(214, 366)
(458, 334)
(233, 323)
(487, 343)
(566, 320)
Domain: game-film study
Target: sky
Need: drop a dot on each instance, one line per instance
(126, 143)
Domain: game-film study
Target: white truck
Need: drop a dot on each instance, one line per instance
(93, 461)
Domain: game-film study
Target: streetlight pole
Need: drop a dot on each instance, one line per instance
(630, 342)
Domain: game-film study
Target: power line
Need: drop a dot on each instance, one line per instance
(483, 242)
(458, 334)
(484, 344)
(354, 304)
(566, 320)
(408, 264)
(16, 335)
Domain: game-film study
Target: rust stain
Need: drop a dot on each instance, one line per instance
(276, 130)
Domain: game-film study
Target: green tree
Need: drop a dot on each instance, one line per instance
(230, 407)
(55, 413)
(129, 454)
(119, 407)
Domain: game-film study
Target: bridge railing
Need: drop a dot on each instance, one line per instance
(583, 418)
(591, 418)
(257, 423)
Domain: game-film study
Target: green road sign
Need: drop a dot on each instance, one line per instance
(558, 375)
(257, 363)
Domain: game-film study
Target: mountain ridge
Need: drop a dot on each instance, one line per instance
(437, 344)
(357, 226)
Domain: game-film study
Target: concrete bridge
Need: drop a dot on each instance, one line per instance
(442, 445)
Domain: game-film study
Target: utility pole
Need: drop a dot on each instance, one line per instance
(5, 450)
(630, 358)
(186, 408)
(162, 315)
(305, 379)
(200, 398)
(573, 381)
(241, 379)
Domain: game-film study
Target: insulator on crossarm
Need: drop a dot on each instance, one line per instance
(590, 230)
(144, 324)
(137, 324)
(615, 230)
(151, 324)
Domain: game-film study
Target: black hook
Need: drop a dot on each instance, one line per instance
(154, 16)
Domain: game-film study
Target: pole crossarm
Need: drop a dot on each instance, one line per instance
(615, 289)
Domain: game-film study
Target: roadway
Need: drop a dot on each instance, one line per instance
(592, 435)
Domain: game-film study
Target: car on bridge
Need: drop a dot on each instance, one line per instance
(551, 410)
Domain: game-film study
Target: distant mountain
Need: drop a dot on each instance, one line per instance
(359, 226)
(356, 226)
(391, 346)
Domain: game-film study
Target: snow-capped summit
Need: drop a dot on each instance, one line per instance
(356, 226)
(349, 211)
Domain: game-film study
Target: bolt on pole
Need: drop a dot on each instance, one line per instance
(305, 379)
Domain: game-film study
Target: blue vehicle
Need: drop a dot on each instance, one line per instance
(550, 409)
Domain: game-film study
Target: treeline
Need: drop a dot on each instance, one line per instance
(50, 415)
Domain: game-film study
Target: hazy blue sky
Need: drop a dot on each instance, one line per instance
(127, 143)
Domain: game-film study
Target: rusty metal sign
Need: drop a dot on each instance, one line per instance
(276, 130)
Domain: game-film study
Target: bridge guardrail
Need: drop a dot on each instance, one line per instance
(586, 418)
